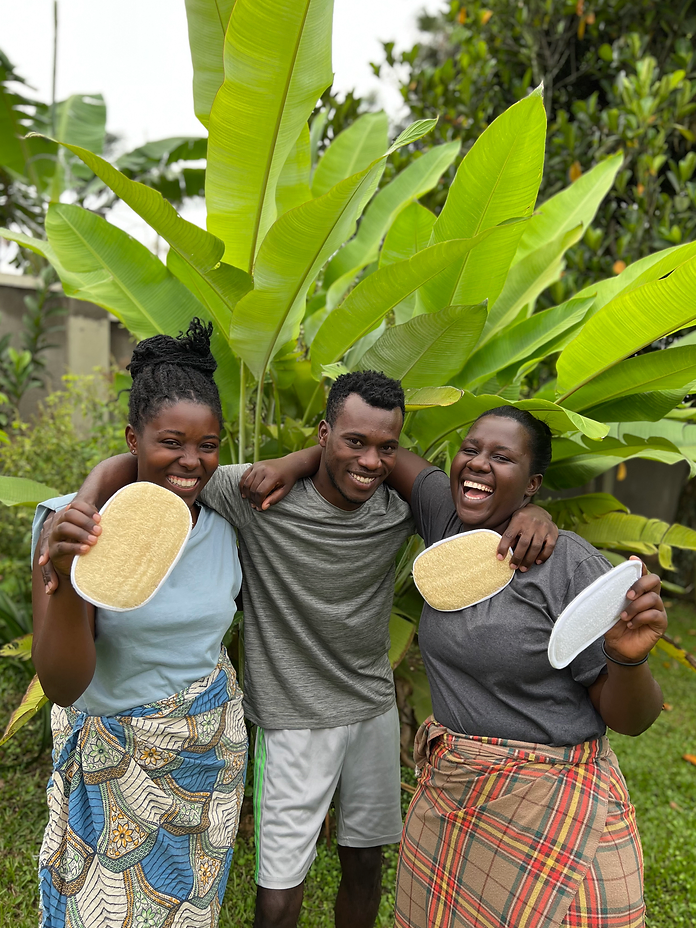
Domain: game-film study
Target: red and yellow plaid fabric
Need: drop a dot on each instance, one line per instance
(504, 834)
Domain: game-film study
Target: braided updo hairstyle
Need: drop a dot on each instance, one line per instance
(166, 370)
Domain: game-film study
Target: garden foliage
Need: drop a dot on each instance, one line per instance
(309, 267)
(618, 75)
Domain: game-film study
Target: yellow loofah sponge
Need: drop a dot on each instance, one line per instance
(144, 530)
(461, 571)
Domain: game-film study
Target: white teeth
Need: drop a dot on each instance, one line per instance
(361, 479)
(184, 483)
(477, 486)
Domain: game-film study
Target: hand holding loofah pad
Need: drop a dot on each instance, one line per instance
(144, 530)
(592, 613)
(461, 571)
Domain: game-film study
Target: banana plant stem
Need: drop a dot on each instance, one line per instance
(279, 420)
(242, 413)
(257, 419)
(311, 403)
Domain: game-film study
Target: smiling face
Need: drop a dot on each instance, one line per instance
(359, 452)
(178, 449)
(491, 474)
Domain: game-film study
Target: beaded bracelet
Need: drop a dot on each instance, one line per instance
(623, 663)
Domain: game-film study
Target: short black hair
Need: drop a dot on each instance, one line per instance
(166, 370)
(538, 431)
(374, 387)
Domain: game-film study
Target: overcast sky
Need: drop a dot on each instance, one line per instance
(135, 52)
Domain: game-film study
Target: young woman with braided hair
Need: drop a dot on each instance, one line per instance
(150, 744)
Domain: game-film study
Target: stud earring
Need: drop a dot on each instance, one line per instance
(133, 451)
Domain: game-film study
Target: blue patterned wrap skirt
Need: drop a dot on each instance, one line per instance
(144, 809)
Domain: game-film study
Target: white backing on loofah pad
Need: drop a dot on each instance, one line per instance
(592, 613)
(460, 571)
(144, 530)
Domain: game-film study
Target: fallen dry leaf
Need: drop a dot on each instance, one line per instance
(667, 706)
(674, 806)
(691, 758)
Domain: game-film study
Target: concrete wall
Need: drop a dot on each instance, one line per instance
(91, 338)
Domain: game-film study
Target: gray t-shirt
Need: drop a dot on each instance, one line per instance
(318, 584)
(487, 665)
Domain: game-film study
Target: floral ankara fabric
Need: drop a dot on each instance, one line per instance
(143, 810)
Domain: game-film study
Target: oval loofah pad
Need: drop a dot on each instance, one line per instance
(144, 530)
(592, 613)
(461, 571)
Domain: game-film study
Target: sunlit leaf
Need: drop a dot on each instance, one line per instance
(32, 701)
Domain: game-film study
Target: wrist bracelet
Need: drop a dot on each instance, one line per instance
(623, 663)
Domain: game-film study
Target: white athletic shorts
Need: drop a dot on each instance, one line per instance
(297, 772)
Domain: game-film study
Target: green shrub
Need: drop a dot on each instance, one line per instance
(73, 429)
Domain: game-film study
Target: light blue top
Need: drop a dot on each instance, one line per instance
(152, 652)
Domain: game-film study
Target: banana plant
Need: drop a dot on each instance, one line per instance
(314, 265)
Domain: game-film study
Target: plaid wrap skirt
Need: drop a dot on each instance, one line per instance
(506, 834)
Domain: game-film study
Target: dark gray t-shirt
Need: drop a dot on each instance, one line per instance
(487, 665)
(318, 585)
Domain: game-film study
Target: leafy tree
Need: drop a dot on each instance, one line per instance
(618, 76)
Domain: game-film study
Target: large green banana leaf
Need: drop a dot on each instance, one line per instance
(379, 293)
(681, 434)
(521, 341)
(432, 426)
(628, 323)
(277, 65)
(290, 258)
(227, 373)
(637, 407)
(198, 248)
(428, 350)
(570, 511)
(673, 369)
(13, 153)
(80, 120)
(652, 267)
(104, 265)
(293, 184)
(20, 491)
(528, 278)
(498, 180)
(601, 519)
(207, 25)
(195, 245)
(401, 633)
(633, 532)
(415, 180)
(577, 462)
(410, 232)
(37, 245)
(573, 206)
(426, 397)
(352, 151)
(32, 159)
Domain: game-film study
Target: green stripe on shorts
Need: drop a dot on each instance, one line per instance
(259, 767)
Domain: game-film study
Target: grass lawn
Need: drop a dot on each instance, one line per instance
(662, 784)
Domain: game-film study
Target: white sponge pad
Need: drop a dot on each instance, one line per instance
(592, 613)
